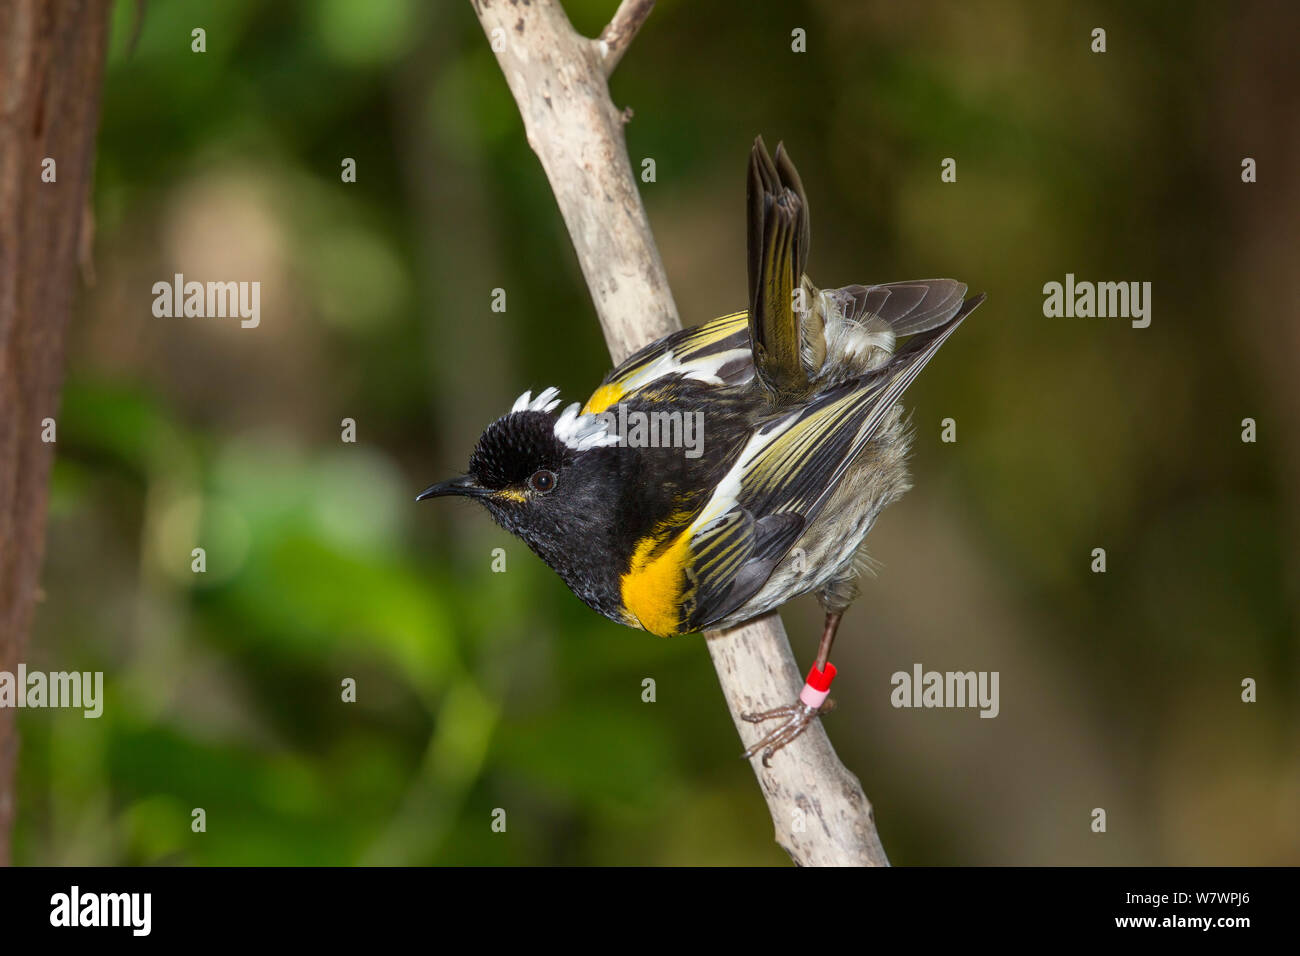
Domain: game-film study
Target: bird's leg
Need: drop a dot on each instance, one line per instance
(813, 700)
(828, 638)
(823, 656)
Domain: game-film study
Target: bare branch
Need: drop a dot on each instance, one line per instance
(558, 79)
(619, 33)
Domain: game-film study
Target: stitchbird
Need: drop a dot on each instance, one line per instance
(804, 445)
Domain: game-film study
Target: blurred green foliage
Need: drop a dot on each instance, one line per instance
(480, 690)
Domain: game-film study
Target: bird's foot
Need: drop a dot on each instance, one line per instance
(798, 717)
(814, 700)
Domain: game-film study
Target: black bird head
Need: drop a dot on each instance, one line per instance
(515, 469)
(550, 479)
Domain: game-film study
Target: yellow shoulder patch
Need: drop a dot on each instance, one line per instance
(655, 582)
(602, 398)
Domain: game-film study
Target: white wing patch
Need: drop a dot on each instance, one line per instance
(727, 492)
(706, 369)
(703, 369)
(726, 495)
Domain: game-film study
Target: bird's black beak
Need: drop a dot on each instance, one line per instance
(464, 486)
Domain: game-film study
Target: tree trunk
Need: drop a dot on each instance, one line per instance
(51, 68)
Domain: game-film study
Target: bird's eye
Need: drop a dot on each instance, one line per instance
(542, 481)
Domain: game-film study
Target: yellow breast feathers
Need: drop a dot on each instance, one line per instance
(654, 587)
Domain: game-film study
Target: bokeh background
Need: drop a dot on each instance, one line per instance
(481, 690)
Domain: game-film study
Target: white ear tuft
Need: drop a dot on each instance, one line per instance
(580, 432)
(545, 402)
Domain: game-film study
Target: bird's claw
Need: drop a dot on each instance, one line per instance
(786, 711)
(798, 717)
